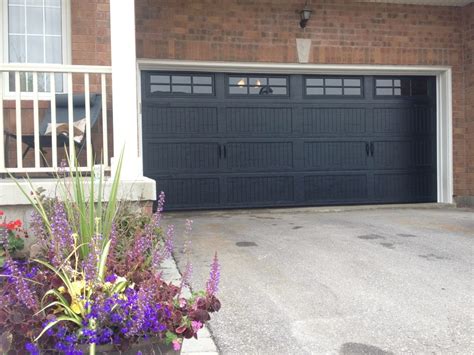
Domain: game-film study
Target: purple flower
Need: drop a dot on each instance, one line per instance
(32, 349)
(111, 278)
(161, 202)
(61, 234)
(186, 277)
(24, 293)
(39, 230)
(90, 263)
(212, 284)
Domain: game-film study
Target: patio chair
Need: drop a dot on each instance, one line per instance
(62, 120)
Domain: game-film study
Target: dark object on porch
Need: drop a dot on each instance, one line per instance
(79, 113)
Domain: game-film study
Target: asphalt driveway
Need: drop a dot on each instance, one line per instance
(376, 281)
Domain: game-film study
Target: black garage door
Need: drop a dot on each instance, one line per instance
(215, 140)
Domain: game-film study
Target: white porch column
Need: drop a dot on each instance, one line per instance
(124, 89)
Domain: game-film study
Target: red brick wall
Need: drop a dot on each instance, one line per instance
(342, 31)
(90, 32)
(469, 93)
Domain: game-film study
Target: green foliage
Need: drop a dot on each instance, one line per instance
(90, 204)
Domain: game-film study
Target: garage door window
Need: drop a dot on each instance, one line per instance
(258, 85)
(333, 86)
(401, 87)
(181, 84)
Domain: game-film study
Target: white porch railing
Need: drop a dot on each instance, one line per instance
(26, 87)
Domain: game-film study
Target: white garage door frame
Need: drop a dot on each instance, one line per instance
(444, 141)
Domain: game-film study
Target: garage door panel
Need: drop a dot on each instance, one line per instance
(259, 156)
(403, 154)
(330, 155)
(406, 121)
(190, 192)
(334, 121)
(254, 190)
(336, 188)
(405, 186)
(169, 121)
(175, 157)
(261, 121)
(319, 141)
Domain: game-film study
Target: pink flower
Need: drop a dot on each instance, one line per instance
(196, 325)
(176, 344)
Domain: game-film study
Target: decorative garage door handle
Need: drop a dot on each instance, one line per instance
(372, 148)
(367, 149)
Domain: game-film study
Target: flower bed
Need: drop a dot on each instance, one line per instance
(92, 282)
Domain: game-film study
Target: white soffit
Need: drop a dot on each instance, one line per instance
(426, 2)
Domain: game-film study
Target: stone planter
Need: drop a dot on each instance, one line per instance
(147, 347)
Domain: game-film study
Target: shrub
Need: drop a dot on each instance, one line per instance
(95, 277)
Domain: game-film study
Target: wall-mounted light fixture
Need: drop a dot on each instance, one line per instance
(305, 14)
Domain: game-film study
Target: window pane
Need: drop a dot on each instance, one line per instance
(314, 82)
(34, 2)
(279, 90)
(396, 82)
(16, 2)
(334, 82)
(159, 88)
(384, 82)
(202, 80)
(185, 89)
(34, 20)
(16, 19)
(405, 86)
(351, 82)
(238, 90)
(352, 91)
(159, 79)
(419, 87)
(202, 89)
(277, 81)
(397, 91)
(258, 81)
(181, 79)
(255, 90)
(53, 21)
(55, 3)
(54, 50)
(237, 81)
(35, 49)
(314, 91)
(16, 49)
(333, 91)
(384, 91)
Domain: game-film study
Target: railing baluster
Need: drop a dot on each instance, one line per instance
(37, 95)
(105, 144)
(72, 155)
(2, 136)
(88, 120)
(19, 143)
(36, 120)
(54, 134)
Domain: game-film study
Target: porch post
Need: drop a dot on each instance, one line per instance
(124, 89)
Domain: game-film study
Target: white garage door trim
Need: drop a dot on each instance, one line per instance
(444, 95)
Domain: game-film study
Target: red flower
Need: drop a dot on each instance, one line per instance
(1, 213)
(12, 225)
